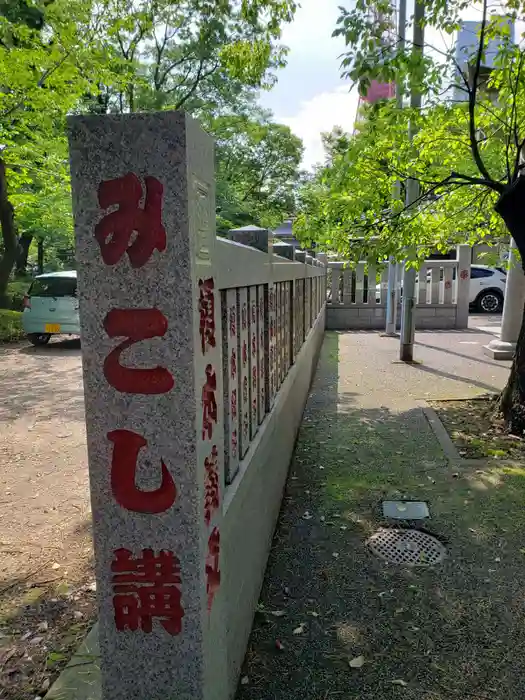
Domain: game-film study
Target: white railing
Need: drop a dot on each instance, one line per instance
(357, 295)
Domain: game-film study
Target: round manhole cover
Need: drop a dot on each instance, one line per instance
(410, 547)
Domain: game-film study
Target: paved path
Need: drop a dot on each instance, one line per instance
(454, 632)
(44, 514)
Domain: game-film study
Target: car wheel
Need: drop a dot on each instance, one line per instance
(39, 338)
(490, 302)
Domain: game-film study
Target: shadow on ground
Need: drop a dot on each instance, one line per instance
(453, 631)
(43, 380)
(43, 619)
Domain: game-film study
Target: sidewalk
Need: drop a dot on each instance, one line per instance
(452, 631)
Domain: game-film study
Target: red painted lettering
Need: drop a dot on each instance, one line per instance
(126, 448)
(207, 314)
(135, 325)
(213, 575)
(115, 230)
(146, 588)
(209, 405)
(211, 486)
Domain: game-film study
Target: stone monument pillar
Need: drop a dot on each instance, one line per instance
(144, 209)
(463, 285)
(503, 348)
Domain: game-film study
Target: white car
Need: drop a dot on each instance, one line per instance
(487, 288)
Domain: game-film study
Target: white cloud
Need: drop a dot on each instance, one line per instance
(321, 113)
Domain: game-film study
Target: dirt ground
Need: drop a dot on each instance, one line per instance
(47, 589)
(477, 431)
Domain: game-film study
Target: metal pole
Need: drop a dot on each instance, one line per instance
(392, 297)
(406, 349)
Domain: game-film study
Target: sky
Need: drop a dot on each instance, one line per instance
(310, 96)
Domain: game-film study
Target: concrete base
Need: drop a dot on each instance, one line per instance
(500, 349)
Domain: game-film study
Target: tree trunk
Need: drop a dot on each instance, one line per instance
(40, 261)
(24, 243)
(511, 207)
(7, 222)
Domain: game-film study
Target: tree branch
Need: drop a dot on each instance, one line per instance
(472, 99)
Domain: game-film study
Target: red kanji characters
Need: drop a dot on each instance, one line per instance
(464, 274)
(448, 284)
(254, 345)
(135, 325)
(233, 364)
(245, 390)
(244, 353)
(244, 317)
(234, 443)
(233, 402)
(126, 448)
(211, 486)
(207, 314)
(254, 377)
(271, 302)
(254, 313)
(146, 588)
(115, 230)
(213, 575)
(233, 321)
(209, 405)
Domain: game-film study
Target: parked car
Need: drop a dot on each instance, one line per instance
(487, 288)
(486, 291)
(51, 307)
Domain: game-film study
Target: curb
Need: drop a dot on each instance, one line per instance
(80, 680)
(439, 431)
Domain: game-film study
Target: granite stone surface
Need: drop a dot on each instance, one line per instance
(144, 210)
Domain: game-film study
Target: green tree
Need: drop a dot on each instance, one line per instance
(191, 54)
(257, 169)
(465, 156)
(47, 50)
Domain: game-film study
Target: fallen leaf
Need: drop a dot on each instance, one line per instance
(399, 611)
(245, 680)
(335, 555)
(400, 682)
(313, 614)
(43, 626)
(300, 629)
(307, 516)
(55, 566)
(277, 613)
(357, 662)
(279, 645)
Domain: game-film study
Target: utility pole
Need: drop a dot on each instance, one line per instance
(392, 297)
(406, 349)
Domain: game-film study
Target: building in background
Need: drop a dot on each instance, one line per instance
(467, 45)
(376, 90)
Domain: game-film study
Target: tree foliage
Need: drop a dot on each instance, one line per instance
(464, 155)
(59, 57)
(257, 168)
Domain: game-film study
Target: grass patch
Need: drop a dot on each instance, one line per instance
(352, 626)
(476, 431)
(11, 329)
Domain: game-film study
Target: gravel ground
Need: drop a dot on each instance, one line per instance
(47, 592)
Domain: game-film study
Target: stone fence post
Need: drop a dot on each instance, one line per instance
(463, 282)
(144, 209)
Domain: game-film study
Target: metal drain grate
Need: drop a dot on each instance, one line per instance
(410, 547)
